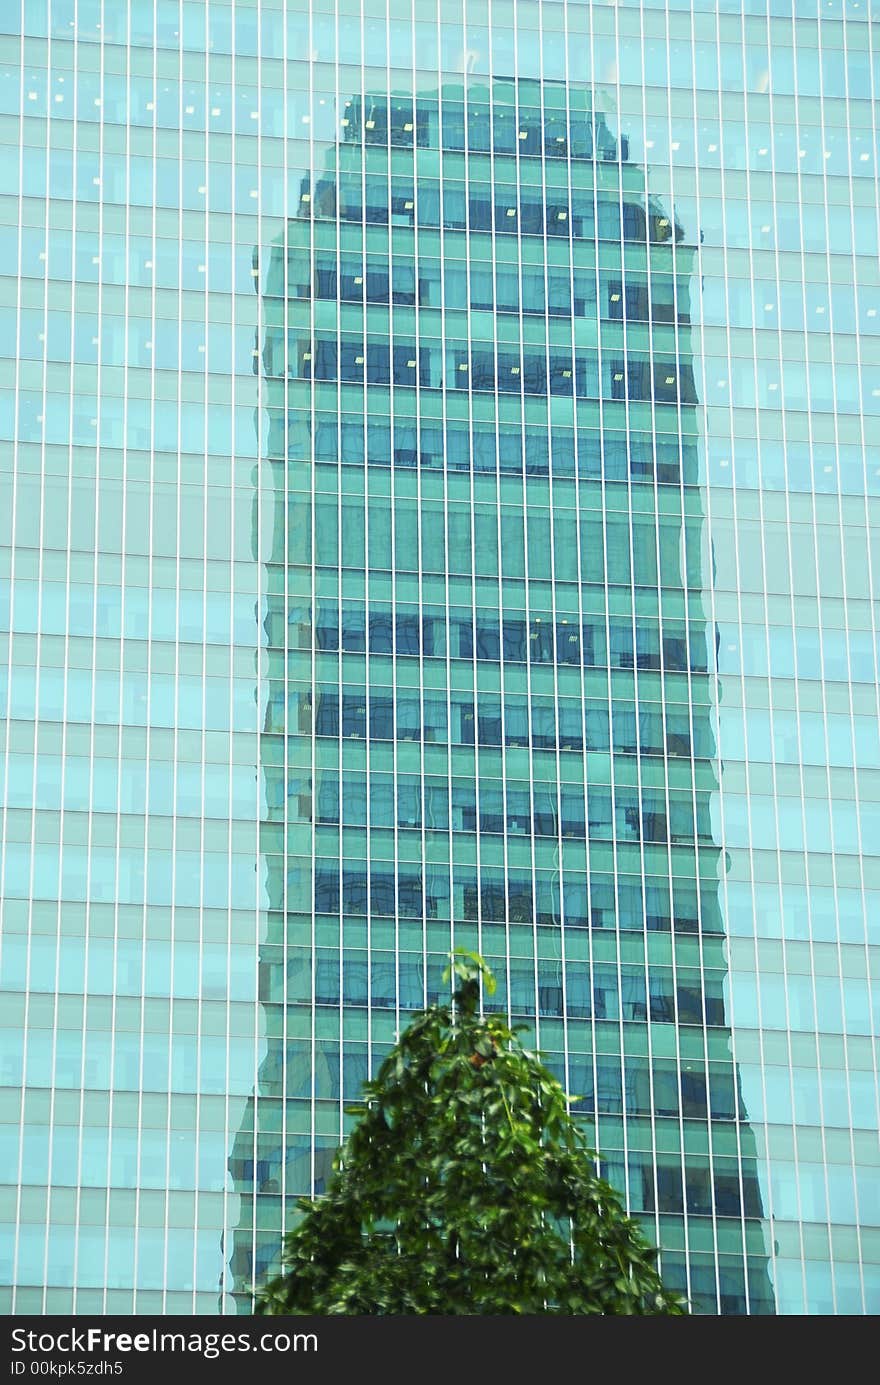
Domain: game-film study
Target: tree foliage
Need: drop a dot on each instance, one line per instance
(465, 1187)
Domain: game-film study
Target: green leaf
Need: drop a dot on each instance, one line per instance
(465, 1186)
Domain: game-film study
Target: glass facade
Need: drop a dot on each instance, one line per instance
(440, 460)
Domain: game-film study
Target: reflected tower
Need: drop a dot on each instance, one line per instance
(489, 713)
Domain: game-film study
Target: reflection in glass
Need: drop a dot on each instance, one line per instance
(490, 714)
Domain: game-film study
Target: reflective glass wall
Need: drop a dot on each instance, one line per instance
(439, 478)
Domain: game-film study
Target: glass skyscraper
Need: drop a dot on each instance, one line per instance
(440, 461)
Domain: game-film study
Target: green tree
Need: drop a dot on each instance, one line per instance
(465, 1187)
